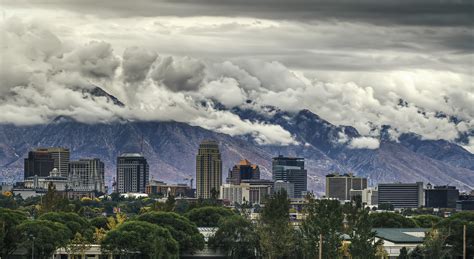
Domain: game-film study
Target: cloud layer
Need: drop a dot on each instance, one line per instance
(341, 61)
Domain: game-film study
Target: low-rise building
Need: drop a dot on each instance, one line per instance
(395, 239)
(252, 192)
(176, 190)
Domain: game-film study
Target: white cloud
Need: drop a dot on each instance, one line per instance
(364, 142)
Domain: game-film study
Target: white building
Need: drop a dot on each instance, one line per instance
(41, 182)
(245, 192)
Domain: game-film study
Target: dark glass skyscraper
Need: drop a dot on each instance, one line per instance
(132, 173)
(291, 169)
(441, 197)
(39, 163)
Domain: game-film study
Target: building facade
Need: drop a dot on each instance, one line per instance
(61, 157)
(288, 187)
(176, 190)
(340, 186)
(441, 197)
(401, 195)
(39, 163)
(132, 173)
(208, 169)
(243, 171)
(87, 175)
(254, 193)
(292, 170)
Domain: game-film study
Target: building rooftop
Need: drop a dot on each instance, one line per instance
(131, 155)
(401, 235)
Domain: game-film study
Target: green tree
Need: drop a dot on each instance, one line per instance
(325, 218)
(180, 228)
(52, 200)
(78, 245)
(426, 221)
(277, 237)
(391, 220)
(74, 222)
(403, 253)
(138, 239)
(237, 237)
(208, 216)
(44, 236)
(416, 253)
(435, 245)
(386, 206)
(170, 203)
(363, 245)
(99, 222)
(453, 227)
(9, 221)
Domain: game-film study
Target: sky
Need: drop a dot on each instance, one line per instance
(367, 63)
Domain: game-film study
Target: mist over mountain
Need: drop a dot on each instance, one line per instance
(170, 148)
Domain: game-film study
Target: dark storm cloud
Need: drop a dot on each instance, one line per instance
(384, 12)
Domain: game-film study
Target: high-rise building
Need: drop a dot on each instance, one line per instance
(441, 196)
(60, 156)
(339, 186)
(243, 171)
(132, 173)
(401, 195)
(288, 187)
(208, 169)
(87, 175)
(291, 169)
(38, 163)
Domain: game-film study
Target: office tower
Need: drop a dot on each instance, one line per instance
(401, 195)
(243, 171)
(60, 156)
(288, 187)
(208, 169)
(132, 173)
(339, 186)
(87, 175)
(38, 163)
(441, 196)
(291, 169)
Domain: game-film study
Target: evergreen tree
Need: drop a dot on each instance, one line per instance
(325, 218)
(363, 245)
(403, 253)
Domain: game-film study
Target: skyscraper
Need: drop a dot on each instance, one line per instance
(243, 171)
(60, 156)
(291, 169)
(38, 163)
(41, 161)
(441, 196)
(339, 186)
(132, 173)
(208, 169)
(87, 175)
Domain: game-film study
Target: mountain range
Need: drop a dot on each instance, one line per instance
(170, 148)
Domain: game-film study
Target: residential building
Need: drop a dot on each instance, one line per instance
(243, 171)
(401, 195)
(39, 163)
(291, 169)
(441, 196)
(288, 187)
(87, 175)
(208, 169)
(339, 186)
(132, 173)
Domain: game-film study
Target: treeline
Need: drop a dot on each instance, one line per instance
(145, 228)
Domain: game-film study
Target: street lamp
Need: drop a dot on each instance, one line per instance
(32, 238)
